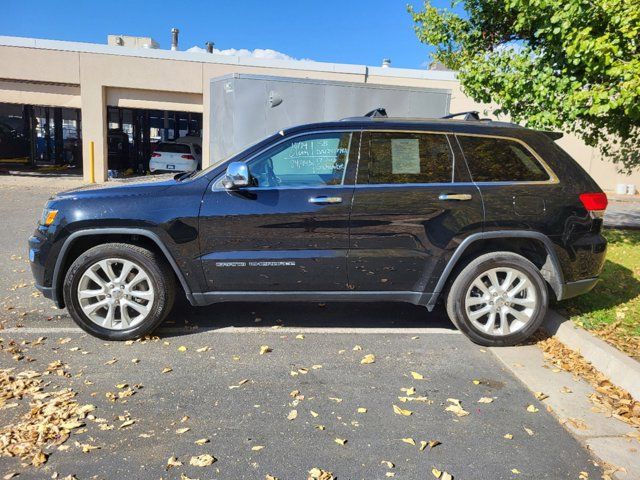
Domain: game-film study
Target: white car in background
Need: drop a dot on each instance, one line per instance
(176, 157)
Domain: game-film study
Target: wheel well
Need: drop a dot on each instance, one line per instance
(85, 242)
(532, 249)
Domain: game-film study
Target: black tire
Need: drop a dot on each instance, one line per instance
(461, 284)
(159, 272)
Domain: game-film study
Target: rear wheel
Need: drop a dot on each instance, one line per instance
(119, 291)
(499, 299)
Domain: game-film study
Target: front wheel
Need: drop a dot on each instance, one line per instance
(118, 291)
(498, 299)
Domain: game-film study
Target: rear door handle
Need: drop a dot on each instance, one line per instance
(460, 197)
(322, 200)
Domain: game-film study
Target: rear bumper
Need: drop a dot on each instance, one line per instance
(573, 289)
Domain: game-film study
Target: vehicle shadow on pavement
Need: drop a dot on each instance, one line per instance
(184, 318)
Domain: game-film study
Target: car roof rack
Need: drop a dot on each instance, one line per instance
(470, 115)
(376, 113)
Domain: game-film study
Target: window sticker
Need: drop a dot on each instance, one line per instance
(405, 155)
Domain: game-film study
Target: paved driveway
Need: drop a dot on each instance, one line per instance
(222, 389)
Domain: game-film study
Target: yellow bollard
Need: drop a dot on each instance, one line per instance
(92, 168)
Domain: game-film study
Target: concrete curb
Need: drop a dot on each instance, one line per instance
(619, 368)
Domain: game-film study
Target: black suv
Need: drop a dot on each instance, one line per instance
(491, 218)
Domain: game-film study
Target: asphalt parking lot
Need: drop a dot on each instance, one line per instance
(218, 386)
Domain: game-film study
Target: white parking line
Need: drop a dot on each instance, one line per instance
(231, 329)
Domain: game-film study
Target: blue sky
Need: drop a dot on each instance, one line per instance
(347, 31)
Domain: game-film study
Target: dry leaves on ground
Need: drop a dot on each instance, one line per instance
(616, 336)
(610, 399)
(456, 407)
(320, 474)
(51, 418)
(202, 460)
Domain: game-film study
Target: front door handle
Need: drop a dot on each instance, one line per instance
(322, 200)
(460, 197)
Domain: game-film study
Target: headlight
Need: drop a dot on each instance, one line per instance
(48, 216)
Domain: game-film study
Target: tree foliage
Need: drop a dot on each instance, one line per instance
(572, 65)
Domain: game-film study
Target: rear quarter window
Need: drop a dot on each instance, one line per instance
(501, 160)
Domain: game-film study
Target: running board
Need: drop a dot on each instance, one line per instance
(209, 298)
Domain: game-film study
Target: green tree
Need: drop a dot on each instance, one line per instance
(572, 65)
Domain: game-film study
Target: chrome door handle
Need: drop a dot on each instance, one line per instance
(461, 197)
(323, 200)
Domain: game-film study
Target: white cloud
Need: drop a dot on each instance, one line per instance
(243, 52)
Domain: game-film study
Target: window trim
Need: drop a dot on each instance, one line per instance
(415, 184)
(553, 178)
(215, 184)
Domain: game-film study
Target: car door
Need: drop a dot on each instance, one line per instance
(413, 203)
(289, 230)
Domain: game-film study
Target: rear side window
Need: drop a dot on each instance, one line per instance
(500, 160)
(173, 148)
(404, 157)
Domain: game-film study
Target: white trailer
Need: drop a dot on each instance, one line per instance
(247, 108)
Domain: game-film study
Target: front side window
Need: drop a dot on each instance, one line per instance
(500, 160)
(311, 160)
(402, 157)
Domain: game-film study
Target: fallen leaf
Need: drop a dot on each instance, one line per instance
(357, 348)
(417, 376)
(423, 445)
(293, 414)
(515, 471)
(436, 473)
(476, 382)
(540, 395)
(485, 400)
(529, 431)
(257, 448)
(387, 463)
(265, 349)
(508, 436)
(362, 410)
(320, 474)
(202, 460)
(203, 349)
(173, 462)
(300, 337)
(409, 391)
(320, 427)
(180, 431)
(410, 441)
(111, 362)
(532, 409)
(126, 424)
(340, 441)
(167, 370)
(201, 441)
(434, 443)
(135, 360)
(313, 414)
(456, 407)
(367, 359)
(270, 477)
(182, 348)
(401, 411)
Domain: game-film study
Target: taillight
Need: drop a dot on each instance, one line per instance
(155, 154)
(595, 203)
(188, 157)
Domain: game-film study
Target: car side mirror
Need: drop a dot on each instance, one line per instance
(237, 176)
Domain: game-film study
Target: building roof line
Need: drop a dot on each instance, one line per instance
(203, 57)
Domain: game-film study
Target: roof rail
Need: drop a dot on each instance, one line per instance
(470, 115)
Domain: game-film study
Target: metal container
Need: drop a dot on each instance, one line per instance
(247, 108)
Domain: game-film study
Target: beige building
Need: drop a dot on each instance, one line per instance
(97, 81)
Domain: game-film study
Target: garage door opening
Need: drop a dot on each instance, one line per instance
(142, 142)
(40, 139)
